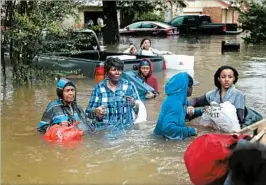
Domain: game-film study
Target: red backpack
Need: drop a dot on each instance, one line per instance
(206, 157)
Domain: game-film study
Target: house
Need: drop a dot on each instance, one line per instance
(89, 10)
(221, 11)
(173, 8)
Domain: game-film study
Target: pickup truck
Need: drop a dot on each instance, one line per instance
(89, 60)
(91, 63)
(201, 24)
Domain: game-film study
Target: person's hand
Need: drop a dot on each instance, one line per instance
(169, 53)
(99, 111)
(190, 110)
(130, 100)
(196, 131)
(142, 46)
(149, 95)
(64, 124)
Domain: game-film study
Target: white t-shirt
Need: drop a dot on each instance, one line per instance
(152, 52)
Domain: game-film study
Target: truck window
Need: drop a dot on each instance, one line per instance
(177, 21)
(205, 19)
(189, 20)
(68, 42)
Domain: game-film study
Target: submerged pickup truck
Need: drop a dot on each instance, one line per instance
(201, 24)
(89, 61)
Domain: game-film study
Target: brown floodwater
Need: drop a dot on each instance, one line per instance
(133, 157)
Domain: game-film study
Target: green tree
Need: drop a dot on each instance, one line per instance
(27, 21)
(149, 16)
(138, 10)
(253, 21)
(129, 10)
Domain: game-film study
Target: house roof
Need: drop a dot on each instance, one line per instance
(226, 3)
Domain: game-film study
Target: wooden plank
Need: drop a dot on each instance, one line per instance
(257, 137)
(261, 124)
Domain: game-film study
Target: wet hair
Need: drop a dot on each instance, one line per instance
(190, 81)
(218, 73)
(143, 40)
(131, 44)
(113, 62)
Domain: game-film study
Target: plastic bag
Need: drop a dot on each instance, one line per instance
(63, 133)
(142, 114)
(221, 117)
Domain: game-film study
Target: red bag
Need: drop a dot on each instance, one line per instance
(62, 133)
(205, 158)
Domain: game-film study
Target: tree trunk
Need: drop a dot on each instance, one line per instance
(110, 31)
(3, 63)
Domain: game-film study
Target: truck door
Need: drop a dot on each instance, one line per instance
(178, 23)
(190, 24)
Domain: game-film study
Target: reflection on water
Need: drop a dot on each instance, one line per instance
(135, 157)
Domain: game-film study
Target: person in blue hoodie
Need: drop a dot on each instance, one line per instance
(171, 123)
(64, 110)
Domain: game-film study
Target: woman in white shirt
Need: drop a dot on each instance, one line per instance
(147, 50)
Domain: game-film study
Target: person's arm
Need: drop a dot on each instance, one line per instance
(46, 120)
(81, 113)
(199, 101)
(156, 85)
(133, 92)
(241, 116)
(127, 51)
(240, 107)
(197, 113)
(93, 103)
(155, 51)
(174, 126)
(84, 124)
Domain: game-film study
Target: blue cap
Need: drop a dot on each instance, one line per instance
(144, 63)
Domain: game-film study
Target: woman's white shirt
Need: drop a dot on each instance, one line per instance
(152, 52)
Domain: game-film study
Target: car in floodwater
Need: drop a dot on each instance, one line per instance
(152, 28)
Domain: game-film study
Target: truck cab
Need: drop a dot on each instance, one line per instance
(199, 24)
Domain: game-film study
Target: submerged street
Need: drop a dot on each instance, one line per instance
(134, 157)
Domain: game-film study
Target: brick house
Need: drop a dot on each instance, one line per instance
(220, 10)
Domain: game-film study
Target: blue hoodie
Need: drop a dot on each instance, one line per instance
(171, 121)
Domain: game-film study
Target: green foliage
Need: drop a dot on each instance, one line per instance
(149, 16)
(142, 10)
(28, 21)
(254, 21)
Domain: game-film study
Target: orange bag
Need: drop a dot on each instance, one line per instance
(62, 133)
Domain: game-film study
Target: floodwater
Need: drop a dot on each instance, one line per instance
(133, 157)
